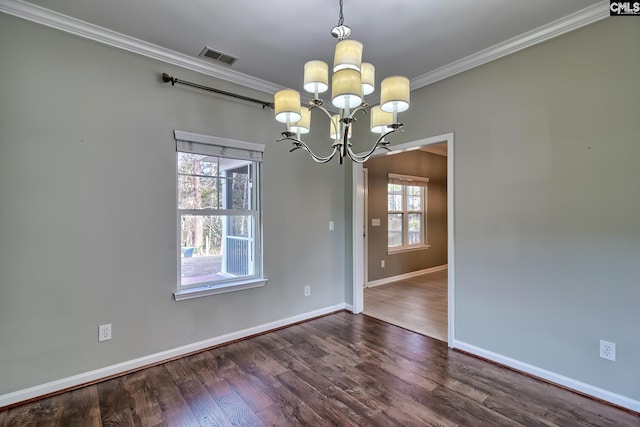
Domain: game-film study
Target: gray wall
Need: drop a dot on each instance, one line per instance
(416, 163)
(547, 205)
(87, 209)
(547, 210)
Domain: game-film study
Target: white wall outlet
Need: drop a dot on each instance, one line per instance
(608, 350)
(307, 290)
(104, 332)
(331, 225)
(375, 222)
(382, 264)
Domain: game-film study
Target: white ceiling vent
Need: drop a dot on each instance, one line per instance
(207, 52)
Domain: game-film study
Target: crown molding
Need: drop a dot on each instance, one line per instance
(546, 32)
(49, 18)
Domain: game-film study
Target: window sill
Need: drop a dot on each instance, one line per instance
(205, 291)
(407, 249)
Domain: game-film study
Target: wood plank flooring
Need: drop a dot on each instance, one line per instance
(339, 370)
(418, 304)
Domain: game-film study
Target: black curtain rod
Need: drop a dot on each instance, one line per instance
(166, 78)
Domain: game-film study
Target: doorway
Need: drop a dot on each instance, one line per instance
(360, 235)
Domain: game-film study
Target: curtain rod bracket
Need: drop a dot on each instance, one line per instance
(166, 78)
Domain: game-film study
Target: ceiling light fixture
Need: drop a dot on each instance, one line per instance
(352, 79)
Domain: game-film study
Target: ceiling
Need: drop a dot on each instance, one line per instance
(274, 38)
(439, 149)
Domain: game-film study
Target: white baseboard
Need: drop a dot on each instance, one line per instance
(405, 276)
(120, 368)
(348, 307)
(570, 383)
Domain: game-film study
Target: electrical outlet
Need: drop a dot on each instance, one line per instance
(331, 226)
(307, 290)
(104, 332)
(382, 264)
(608, 350)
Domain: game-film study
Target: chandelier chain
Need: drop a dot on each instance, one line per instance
(341, 16)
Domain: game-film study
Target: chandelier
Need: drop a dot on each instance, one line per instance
(352, 79)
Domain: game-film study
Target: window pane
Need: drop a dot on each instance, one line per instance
(198, 192)
(238, 188)
(394, 227)
(238, 247)
(215, 248)
(394, 188)
(414, 198)
(413, 190)
(198, 187)
(394, 198)
(239, 226)
(415, 229)
(197, 164)
(394, 202)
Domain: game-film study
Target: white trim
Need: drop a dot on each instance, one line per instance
(181, 135)
(358, 224)
(205, 291)
(407, 177)
(68, 24)
(405, 276)
(451, 238)
(348, 307)
(141, 362)
(365, 226)
(358, 236)
(576, 385)
(402, 249)
(571, 22)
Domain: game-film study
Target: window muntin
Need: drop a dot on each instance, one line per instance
(406, 212)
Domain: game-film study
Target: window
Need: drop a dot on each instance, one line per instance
(406, 212)
(219, 217)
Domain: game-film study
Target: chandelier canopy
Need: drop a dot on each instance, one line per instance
(351, 81)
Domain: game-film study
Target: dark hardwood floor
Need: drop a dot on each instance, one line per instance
(341, 369)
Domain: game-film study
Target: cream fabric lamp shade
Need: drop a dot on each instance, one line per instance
(304, 124)
(287, 106)
(380, 120)
(368, 72)
(346, 89)
(348, 54)
(316, 76)
(394, 92)
(334, 130)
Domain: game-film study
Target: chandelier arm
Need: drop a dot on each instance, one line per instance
(361, 107)
(298, 143)
(327, 113)
(380, 143)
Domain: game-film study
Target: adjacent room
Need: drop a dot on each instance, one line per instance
(330, 212)
(406, 239)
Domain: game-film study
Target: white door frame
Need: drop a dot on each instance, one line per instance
(359, 230)
(365, 234)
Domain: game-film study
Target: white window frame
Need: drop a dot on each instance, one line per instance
(231, 149)
(404, 181)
